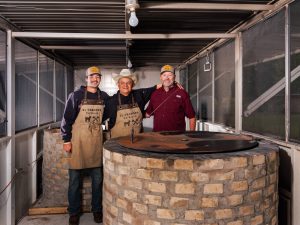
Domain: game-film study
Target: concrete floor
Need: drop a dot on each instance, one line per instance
(61, 219)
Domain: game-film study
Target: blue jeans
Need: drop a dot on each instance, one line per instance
(74, 192)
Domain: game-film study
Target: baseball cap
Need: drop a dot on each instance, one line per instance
(93, 70)
(167, 68)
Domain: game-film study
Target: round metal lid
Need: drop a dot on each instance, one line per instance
(187, 142)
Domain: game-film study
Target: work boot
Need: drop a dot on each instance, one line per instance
(97, 217)
(74, 220)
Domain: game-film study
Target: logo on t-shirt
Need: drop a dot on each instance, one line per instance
(178, 96)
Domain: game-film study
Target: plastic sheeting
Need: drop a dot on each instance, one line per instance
(46, 89)
(26, 86)
(263, 75)
(225, 85)
(205, 91)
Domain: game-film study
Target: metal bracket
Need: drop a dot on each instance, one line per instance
(207, 64)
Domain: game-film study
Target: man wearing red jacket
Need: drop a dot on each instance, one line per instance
(170, 105)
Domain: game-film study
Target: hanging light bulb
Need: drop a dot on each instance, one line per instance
(129, 64)
(133, 20)
(131, 6)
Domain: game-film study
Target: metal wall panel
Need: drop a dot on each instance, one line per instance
(2, 83)
(295, 71)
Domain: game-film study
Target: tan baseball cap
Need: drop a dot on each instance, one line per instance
(93, 70)
(167, 68)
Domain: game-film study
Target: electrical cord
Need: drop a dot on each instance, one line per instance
(19, 171)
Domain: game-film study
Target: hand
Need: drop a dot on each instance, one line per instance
(179, 85)
(67, 147)
(147, 115)
(158, 86)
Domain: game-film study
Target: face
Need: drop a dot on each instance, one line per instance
(167, 79)
(125, 85)
(93, 80)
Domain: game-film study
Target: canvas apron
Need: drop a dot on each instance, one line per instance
(87, 135)
(129, 116)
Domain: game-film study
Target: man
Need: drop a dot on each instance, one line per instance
(169, 104)
(125, 109)
(82, 134)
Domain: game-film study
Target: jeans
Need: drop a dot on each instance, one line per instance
(74, 192)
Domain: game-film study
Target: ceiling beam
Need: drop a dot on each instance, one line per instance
(207, 6)
(63, 2)
(122, 36)
(111, 48)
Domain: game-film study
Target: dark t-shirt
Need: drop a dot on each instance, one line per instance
(141, 97)
(72, 109)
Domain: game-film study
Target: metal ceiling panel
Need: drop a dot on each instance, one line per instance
(109, 17)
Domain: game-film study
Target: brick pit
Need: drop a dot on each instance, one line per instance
(55, 174)
(144, 188)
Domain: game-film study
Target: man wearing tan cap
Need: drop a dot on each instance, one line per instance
(82, 134)
(125, 109)
(170, 105)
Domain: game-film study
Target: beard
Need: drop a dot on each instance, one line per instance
(168, 83)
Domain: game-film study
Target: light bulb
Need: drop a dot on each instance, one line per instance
(133, 20)
(129, 64)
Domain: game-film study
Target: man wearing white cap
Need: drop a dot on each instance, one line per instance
(125, 109)
(170, 105)
(82, 134)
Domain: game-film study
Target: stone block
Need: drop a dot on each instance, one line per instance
(239, 186)
(117, 157)
(211, 164)
(144, 174)
(188, 188)
(155, 163)
(152, 200)
(259, 183)
(223, 213)
(180, 164)
(140, 208)
(157, 187)
(258, 159)
(179, 202)
(236, 162)
(213, 189)
(151, 222)
(130, 195)
(165, 214)
(199, 177)
(195, 215)
(209, 202)
(122, 203)
(234, 200)
(134, 183)
(257, 220)
(168, 176)
(246, 210)
(239, 222)
(127, 218)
